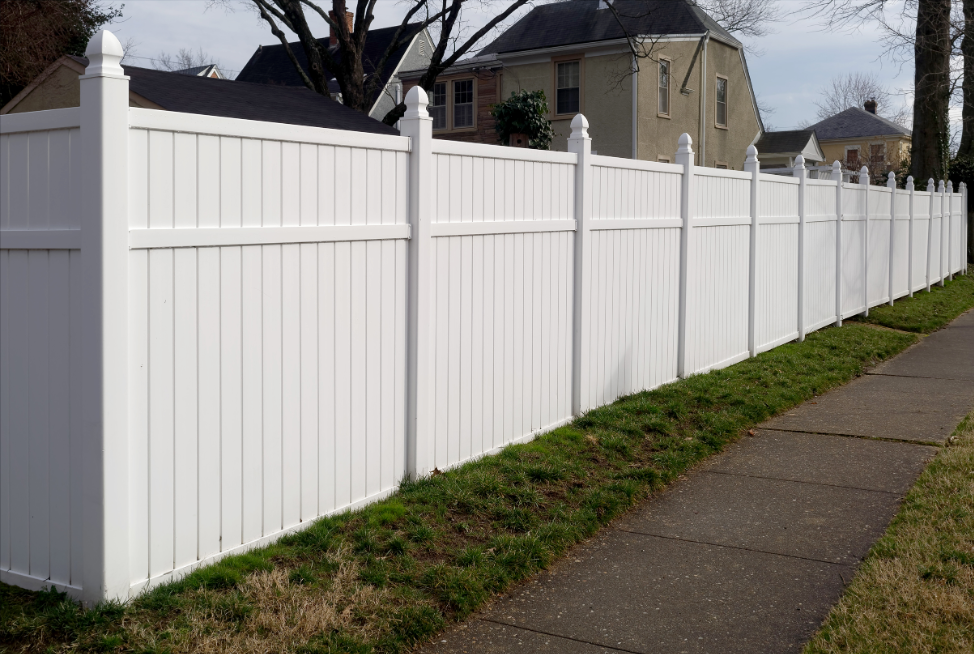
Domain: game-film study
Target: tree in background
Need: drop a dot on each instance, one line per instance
(184, 59)
(852, 90)
(34, 33)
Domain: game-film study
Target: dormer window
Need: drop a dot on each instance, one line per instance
(568, 79)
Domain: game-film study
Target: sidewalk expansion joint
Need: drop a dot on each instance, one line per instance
(548, 633)
(886, 374)
(800, 481)
(882, 439)
(738, 547)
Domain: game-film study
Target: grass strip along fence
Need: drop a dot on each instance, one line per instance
(391, 575)
(915, 590)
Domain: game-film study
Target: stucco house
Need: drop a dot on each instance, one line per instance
(58, 87)
(858, 137)
(577, 52)
(270, 64)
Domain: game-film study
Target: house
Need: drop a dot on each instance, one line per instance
(858, 137)
(780, 149)
(58, 87)
(578, 53)
(211, 70)
(270, 64)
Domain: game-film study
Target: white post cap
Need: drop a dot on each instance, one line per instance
(940, 186)
(416, 102)
(685, 143)
(909, 183)
(579, 127)
(752, 154)
(891, 179)
(104, 54)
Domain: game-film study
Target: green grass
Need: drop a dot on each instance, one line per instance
(915, 591)
(393, 574)
(926, 312)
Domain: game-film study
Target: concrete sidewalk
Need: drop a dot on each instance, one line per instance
(749, 552)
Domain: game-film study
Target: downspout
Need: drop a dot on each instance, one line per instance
(703, 104)
(635, 115)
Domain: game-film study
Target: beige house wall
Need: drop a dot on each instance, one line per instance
(606, 100)
(60, 90)
(897, 148)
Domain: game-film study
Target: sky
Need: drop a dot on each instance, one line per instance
(789, 67)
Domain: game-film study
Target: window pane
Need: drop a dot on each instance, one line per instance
(437, 106)
(463, 103)
(721, 90)
(568, 75)
(664, 87)
(721, 114)
(568, 101)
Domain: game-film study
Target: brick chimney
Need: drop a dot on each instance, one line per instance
(349, 20)
(870, 106)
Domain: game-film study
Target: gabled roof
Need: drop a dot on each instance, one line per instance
(233, 99)
(202, 71)
(581, 21)
(857, 123)
(271, 65)
(791, 143)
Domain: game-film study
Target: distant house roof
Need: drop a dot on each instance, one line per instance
(790, 144)
(210, 70)
(233, 99)
(581, 21)
(857, 123)
(271, 65)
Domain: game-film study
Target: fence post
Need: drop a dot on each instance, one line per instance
(684, 157)
(799, 172)
(891, 185)
(932, 190)
(418, 126)
(580, 143)
(909, 266)
(963, 228)
(864, 180)
(753, 166)
(837, 178)
(944, 223)
(104, 320)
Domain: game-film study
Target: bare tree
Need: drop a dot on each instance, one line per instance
(966, 148)
(853, 90)
(932, 38)
(184, 59)
(747, 18)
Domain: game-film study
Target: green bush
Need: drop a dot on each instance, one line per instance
(524, 113)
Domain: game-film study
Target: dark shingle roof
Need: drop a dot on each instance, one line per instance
(783, 142)
(581, 21)
(232, 99)
(271, 65)
(855, 123)
(197, 70)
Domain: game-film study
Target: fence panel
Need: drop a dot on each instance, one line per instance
(879, 240)
(820, 234)
(921, 236)
(853, 248)
(268, 373)
(635, 276)
(40, 381)
(502, 297)
(901, 243)
(956, 233)
(776, 297)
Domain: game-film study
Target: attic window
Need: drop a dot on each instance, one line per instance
(569, 81)
(721, 102)
(664, 87)
(437, 105)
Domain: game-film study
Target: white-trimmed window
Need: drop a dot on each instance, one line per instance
(437, 106)
(852, 160)
(721, 110)
(462, 103)
(663, 107)
(568, 78)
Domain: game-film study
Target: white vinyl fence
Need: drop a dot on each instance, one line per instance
(213, 331)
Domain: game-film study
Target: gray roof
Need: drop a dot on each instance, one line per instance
(856, 123)
(231, 99)
(784, 142)
(199, 71)
(581, 21)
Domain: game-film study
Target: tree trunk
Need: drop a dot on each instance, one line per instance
(932, 78)
(967, 50)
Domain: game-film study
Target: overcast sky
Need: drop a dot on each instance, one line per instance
(795, 63)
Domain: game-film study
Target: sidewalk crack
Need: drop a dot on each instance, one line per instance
(563, 637)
